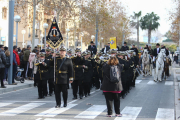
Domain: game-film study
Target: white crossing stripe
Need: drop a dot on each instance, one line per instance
(165, 114)
(21, 109)
(57, 119)
(58, 110)
(169, 83)
(4, 104)
(46, 112)
(151, 83)
(129, 113)
(138, 81)
(92, 112)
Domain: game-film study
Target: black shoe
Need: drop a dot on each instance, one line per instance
(3, 86)
(41, 97)
(80, 97)
(89, 94)
(57, 106)
(50, 94)
(74, 98)
(85, 95)
(65, 104)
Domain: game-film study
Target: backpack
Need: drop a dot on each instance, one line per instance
(114, 74)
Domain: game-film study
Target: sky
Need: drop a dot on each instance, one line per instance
(159, 7)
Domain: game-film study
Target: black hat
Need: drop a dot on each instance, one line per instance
(91, 42)
(62, 48)
(125, 42)
(1, 46)
(48, 49)
(113, 51)
(69, 51)
(77, 50)
(158, 44)
(84, 53)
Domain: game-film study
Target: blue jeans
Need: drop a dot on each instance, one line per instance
(6, 72)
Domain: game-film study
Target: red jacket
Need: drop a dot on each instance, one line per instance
(17, 58)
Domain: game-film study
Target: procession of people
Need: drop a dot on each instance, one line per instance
(56, 71)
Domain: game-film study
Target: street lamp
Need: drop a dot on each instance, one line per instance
(41, 39)
(23, 32)
(67, 30)
(0, 33)
(92, 37)
(82, 34)
(17, 19)
(45, 26)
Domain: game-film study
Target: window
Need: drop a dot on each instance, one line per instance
(4, 13)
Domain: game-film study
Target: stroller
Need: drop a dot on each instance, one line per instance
(18, 75)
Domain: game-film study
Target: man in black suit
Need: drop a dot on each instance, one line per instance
(92, 48)
(107, 48)
(125, 47)
(156, 52)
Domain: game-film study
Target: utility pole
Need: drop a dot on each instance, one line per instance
(34, 20)
(96, 41)
(10, 36)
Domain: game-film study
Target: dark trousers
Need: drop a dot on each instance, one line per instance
(76, 84)
(86, 87)
(110, 97)
(58, 89)
(51, 85)
(14, 72)
(2, 76)
(30, 71)
(25, 68)
(97, 82)
(42, 88)
(6, 73)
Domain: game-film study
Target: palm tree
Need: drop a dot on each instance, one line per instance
(135, 23)
(149, 22)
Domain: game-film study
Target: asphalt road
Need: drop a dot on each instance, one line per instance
(147, 101)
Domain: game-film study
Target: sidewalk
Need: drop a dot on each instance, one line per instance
(10, 88)
(176, 70)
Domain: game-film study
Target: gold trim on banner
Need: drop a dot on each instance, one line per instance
(52, 45)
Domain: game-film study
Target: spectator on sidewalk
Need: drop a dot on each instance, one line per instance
(7, 53)
(176, 58)
(2, 65)
(25, 59)
(16, 63)
(31, 58)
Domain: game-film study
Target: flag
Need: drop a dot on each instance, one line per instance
(54, 38)
(113, 43)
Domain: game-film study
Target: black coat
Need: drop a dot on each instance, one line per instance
(155, 52)
(78, 63)
(93, 49)
(65, 72)
(88, 71)
(106, 84)
(42, 71)
(51, 67)
(123, 48)
(135, 50)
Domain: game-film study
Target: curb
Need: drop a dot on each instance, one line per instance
(16, 87)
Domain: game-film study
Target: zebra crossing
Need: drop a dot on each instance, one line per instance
(92, 112)
(151, 82)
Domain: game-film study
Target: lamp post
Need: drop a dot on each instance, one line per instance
(17, 19)
(67, 30)
(41, 40)
(45, 26)
(92, 37)
(23, 32)
(0, 33)
(82, 34)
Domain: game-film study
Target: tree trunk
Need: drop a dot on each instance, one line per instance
(138, 33)
(149, 36)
